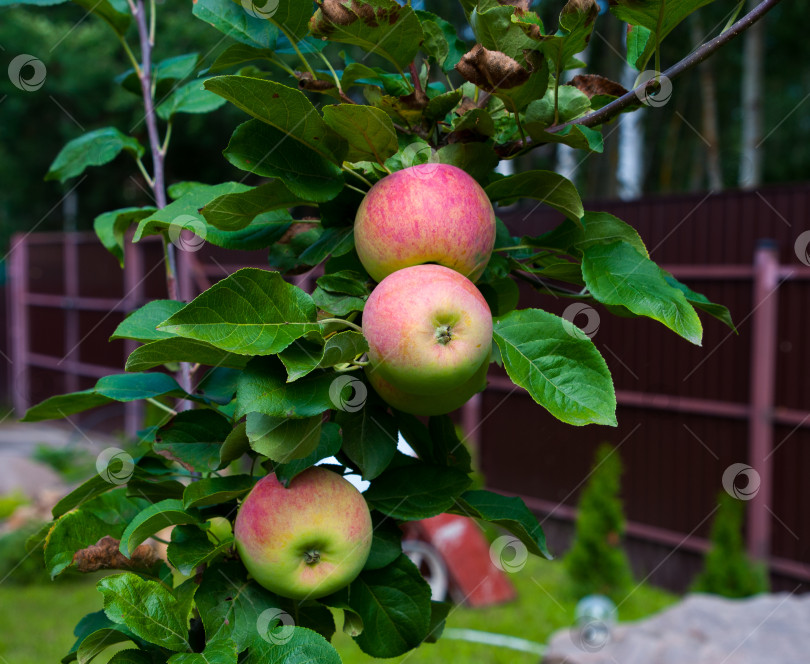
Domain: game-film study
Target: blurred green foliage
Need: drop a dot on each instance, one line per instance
(728, 570)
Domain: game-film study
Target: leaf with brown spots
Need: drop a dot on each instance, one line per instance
(381, 27)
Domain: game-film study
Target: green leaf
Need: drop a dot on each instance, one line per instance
(97, 642)
(386, 544)
(617, 274)
(335, 241)
(263, 388)
(286, 109)
(571, 103)
(703, 303)
(494, 30)
(440, 105)
(381, 27)
(237, 54)
(639, 47)
(193, 438)
(575, 27)
(71, 533)
(328, 446)
(303, 646)
(232, 20)
(518, 98)
(477, 121)
(154, 518)
(183, 213)
(302, 357)
(394, 604)
(88, 490)
(94, 148)
(292, 18)
(134, 386)
(111, 228)
(271, 151)
(552, 189)
(190, 547)
(145, 607)
(156, 353)
(441, 41)
(337, 303)
(230, 605)
(574, 136)
(141, 324)
(596, 228)
(648, 14)
(62, 405)
(218, 385)
(283, 439)
(251, 312)
(368, 131)
(477, 159)
(220, 652)
(233, 212)
(510, 513)
(369, 439)
(345, 281)
(189, 98)
(501, 295)
(563, 372)
(215, 490)
(416, 491)
(235, 445)
(131, 656)
(113, 13)
(437, 443)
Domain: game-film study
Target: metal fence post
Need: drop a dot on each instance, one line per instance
(763, 381)
(18, 324)
(70, 272)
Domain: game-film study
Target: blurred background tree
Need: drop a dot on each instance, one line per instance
(677, 150)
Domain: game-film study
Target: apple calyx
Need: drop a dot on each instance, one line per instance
(312, 557)
(444, 334)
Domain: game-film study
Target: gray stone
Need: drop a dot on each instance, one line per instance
(701, 629)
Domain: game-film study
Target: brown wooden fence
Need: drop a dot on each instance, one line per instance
(685, 413)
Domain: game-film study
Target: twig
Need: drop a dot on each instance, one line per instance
(158, 151)
(615, 107)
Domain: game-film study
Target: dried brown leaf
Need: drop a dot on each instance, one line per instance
(491, 70)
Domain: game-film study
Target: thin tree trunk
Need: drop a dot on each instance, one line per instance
(708, 99)
(750, 154)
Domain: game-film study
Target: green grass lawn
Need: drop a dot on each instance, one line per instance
(36, 622)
